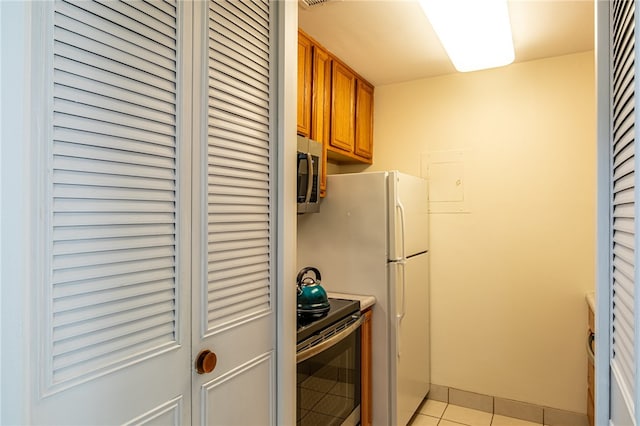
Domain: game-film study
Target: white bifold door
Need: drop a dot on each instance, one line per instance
(153, 218)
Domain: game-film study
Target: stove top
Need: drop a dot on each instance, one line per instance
(339, 308)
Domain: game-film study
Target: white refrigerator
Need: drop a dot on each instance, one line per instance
(371, 237)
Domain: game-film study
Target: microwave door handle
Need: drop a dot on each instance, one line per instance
(307, 198)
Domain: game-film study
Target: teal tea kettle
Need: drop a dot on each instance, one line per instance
(312, 298)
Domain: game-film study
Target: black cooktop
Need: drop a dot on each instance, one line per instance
(339, 308)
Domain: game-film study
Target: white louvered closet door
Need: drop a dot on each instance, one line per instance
(113, 302)
(624, 215)
(233, 294)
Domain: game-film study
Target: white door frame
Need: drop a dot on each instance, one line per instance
(603, 203)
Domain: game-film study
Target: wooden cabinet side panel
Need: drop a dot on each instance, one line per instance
(364, 121)
(342, 107)
(304, 85)
(321, 107)
(366, 408)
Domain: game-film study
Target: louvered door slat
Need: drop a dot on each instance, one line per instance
(219, 220)
(65, 121)
(245, 26)
(87, 260)
(237, 290)
(161, 78)
(97, 338)
(94, 99)
(137, 23)
(237, 307)
(249, 144)
(98, 271)
(113, 82)
(115, 25)
(102, 180)
(85, 151)
(257, 14)
(106, 323)
(120, 119)
(113, 187)
(165, 6)
(117, 45)
(96, 229)
(228, 60)
(78, 164)
(102, 284)
(108, 141)
(129, 242)
(120, 297)
(167, 20)
(96, 355)
(255, 158)
(237, 90)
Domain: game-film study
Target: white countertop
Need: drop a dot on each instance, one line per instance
(366, 301)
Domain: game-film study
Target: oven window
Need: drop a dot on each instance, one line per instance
(328, 391)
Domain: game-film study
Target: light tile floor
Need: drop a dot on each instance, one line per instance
(437, 413)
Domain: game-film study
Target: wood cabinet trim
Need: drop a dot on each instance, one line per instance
(366, 408)
(304, 85)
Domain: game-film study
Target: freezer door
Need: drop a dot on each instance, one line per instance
(408, 208)
(411, 335)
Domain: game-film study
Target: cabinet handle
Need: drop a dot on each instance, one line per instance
(590, 338)
(206, 362)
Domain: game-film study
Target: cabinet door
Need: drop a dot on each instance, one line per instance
(343, 93)
(321, 106)
(364, 120)
(304, 85)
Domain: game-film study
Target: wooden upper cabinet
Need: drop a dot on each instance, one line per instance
(364, 120)
(304, 85)
(335, 106)
(321, 106)
(343, 102)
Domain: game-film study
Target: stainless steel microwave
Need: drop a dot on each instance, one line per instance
(309, 167)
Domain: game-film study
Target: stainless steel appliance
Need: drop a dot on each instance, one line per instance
(328, 366)
(309, 167)
(371, 237)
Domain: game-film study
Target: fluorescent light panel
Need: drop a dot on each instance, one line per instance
(475, 33)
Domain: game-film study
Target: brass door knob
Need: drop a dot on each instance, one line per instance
(206, 362)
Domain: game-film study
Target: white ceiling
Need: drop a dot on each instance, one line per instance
(390, 41)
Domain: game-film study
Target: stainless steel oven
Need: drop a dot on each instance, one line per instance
(328, 366)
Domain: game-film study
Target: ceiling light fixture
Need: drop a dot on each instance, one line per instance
(475, 33)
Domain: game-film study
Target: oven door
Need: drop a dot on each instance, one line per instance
(328, 384)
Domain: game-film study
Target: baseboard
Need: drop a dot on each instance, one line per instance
(507, 407)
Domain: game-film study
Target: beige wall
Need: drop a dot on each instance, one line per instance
(508, 278)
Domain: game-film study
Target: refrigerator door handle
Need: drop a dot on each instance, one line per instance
(402, 229)
(401, 263)
(400, 315)
(402, 258)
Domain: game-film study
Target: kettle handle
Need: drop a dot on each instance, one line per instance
(303, 271)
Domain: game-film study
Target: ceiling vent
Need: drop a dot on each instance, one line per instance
(308, 3)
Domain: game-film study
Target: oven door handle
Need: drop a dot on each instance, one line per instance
(333, 340)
